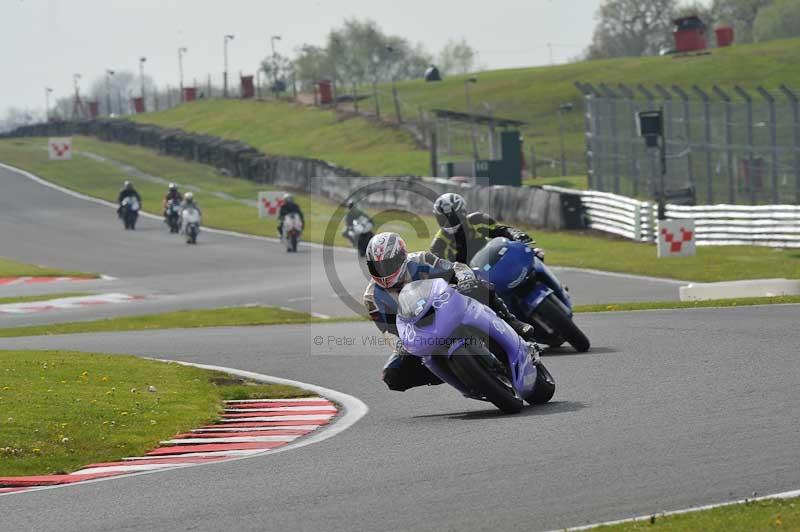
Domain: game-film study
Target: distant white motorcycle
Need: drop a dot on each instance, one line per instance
(360, 233)
(292, 229)
(190, 221)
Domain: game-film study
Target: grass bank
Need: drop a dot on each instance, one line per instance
(12, 268)
(577, 249)
(532, 95)
(183, 319)
(62, 410)
(44, 297)
(282, 128)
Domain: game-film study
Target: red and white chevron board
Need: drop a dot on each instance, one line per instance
(269, 424)
(10, 281)
(66, 303)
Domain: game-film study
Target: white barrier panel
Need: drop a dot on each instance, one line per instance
(269, 203)
(60, 148)
(715, 225)
(676, 238)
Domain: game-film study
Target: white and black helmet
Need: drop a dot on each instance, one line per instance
(450, 211)
(387, 258)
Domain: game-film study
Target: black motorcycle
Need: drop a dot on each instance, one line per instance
(129, 212)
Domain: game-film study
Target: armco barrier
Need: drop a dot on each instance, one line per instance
(720, 225)
(526, 205)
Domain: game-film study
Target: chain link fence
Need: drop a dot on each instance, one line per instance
(723, 145)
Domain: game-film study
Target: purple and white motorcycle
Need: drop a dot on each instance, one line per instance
(464, 343)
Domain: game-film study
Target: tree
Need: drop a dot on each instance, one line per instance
(16, 117)
(740, 14)
(122, 86)
(276, 68)
(777, 21)
(310, 65)
(360, 52)
(632, 28)
(457, 57)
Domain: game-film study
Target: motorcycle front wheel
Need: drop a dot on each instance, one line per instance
(553, 314)
(472, 364)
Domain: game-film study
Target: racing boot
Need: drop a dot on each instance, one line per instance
(525, 330)
(535, 352)
(403, 371)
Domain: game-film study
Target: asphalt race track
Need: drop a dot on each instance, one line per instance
(45, 226)
(670, 409)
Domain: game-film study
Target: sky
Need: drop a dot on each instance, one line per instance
(44, 42)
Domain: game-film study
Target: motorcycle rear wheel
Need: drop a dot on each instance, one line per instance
(467, 363)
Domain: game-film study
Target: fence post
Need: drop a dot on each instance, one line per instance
(749, 102)
(653, 164)
(612, 98)
(377, 103)
(792, 97)
(668, 112)
(588, 103)
(396, 103)
(773, 142)
(687, 131)
(434, 155)
(707, 147)
(728, 142)
(632, 109)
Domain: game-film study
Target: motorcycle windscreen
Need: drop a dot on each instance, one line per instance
(191, 216)
(503, 263)
(415, 299)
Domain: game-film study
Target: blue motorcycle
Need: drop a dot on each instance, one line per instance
(466, 344)
(531, 291)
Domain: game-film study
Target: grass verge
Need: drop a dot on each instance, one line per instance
(665, 305)
(44, 297)
(182, 319)
(256, 316)
(12, 268)
(62, 410)
(573, 248)
(769, 514)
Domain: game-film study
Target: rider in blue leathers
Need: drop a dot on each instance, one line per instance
(391, 267)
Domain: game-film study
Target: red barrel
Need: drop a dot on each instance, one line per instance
(189, 94)
(138, 105)
(248, 89)
(724, 36)
(325, 91)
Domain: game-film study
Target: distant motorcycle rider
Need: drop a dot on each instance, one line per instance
(172, 195)
(462, 235)
(353, 214)
(190, 203)
(391, 267)
(127, 192)
(288, 207)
